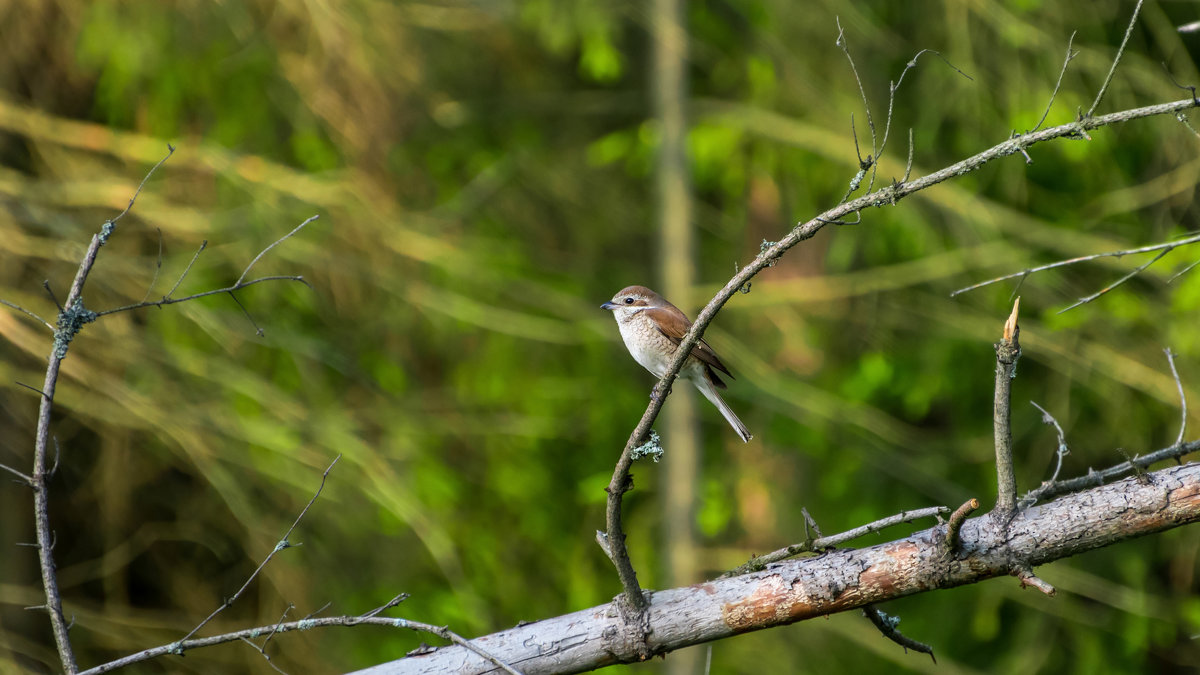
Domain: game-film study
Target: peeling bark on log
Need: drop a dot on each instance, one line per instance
(837, 581)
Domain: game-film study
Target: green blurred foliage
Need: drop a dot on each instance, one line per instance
(483, 176)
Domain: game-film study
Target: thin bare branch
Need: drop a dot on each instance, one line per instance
(1116, 60)
(50, 292)
(908, 164)
(265, 655)
(129, 206)
(821, 543)
(19, 308)
(1054, 94)
(1184, 270)
(1186, 87)
(1094, 478)
(1118, 282)
(217, 291)
(887, 625)
(1182, 397)
(32, 388)
(1166, 246)
(954, 525)
(1062, 450)
(1030, 498)
(23, 478)
(278, 623)
(157, 265)
(284, 543)
(262, 649)
(237, 286)
(277, 242)
(246, 312)
(841, 44)
(912, 63)
(203, 245)
(370, 618)
(1028, 578)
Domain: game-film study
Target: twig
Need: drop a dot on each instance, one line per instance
(1186, 87)
(19, 308)
(283, 544)
(1116, 60)
(50, 292)
(157, 265)
(877, 146)
(887, 625)
(172, 301)
(1167, 246)
(1054, 94)
(129, 206)
(954, 525)
(246, 312)
(1028, 578)
(1184, 270)
(1182, 397)
(24, 479)
(370, 618)
(863, 164)
(265, 655)
(1094, 478)
(908, 164)
(277, 242)
(262, 649)
(912, 63)
(871, 159)
(237, 286)
(187, 269)
(32, 388)
(821, 543)
(1008, 351)
(809, 522)
(1118, 282)
(1060, 452)
(283, 616)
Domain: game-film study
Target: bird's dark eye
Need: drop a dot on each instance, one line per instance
(629, 301)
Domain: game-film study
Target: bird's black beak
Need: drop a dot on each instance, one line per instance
(609, 306)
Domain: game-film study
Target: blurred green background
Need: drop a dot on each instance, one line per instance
(484, 172)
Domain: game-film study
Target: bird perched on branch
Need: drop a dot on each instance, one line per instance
(653, 328)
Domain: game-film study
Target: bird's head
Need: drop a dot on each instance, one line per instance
(629, 301)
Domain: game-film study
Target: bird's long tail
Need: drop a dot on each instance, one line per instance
(710, 393)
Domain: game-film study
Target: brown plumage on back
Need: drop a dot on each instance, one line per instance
(674, 325)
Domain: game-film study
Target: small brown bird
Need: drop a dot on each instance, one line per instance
(653, 328)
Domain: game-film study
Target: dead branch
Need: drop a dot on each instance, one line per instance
(837, 581)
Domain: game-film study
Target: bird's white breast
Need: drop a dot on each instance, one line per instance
(647, 346)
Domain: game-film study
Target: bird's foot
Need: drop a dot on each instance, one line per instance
(656, 393)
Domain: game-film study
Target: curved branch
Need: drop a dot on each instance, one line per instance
(885, 196)
(178, 648)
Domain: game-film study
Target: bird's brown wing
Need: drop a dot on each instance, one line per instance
(673, 324)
